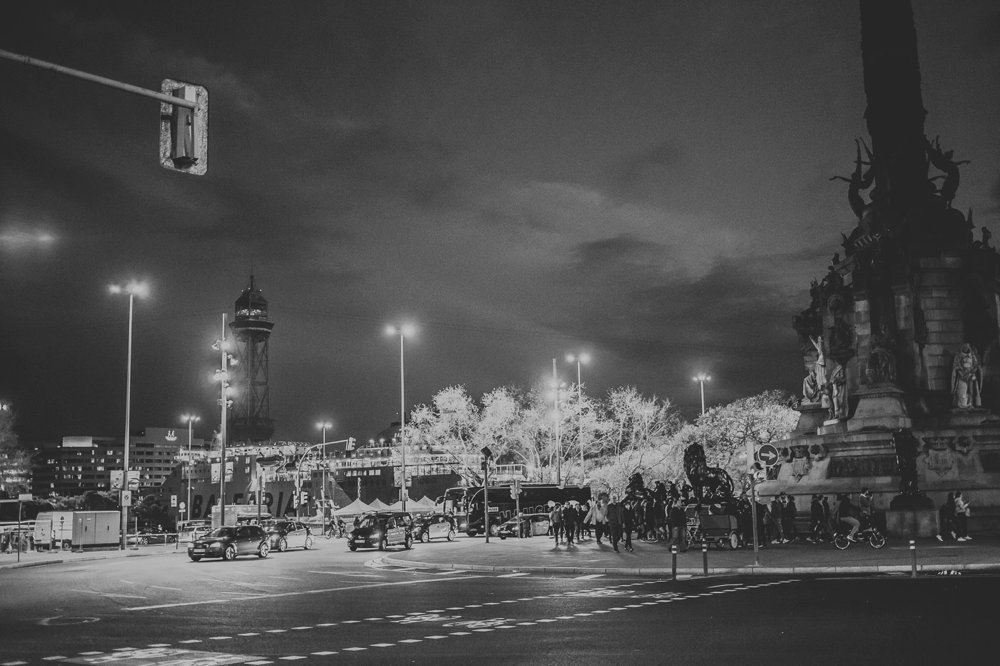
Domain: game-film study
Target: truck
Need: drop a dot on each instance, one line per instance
(54, 529)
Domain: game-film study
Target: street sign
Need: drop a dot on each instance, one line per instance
(126, 498)
(767, 454)
(173, 501)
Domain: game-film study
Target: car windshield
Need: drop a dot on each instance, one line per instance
(367, 522)
(221, 532)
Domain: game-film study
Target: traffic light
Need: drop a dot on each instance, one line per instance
(183, 130)
(351, 442)
(304, 498)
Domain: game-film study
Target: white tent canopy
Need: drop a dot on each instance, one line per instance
(377, 505)
(354, 508)
(412, 506)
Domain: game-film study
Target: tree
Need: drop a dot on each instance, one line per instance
(633, 420)
(725, 431)
(15, 463)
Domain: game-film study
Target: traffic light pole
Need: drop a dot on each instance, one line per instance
(94, 78)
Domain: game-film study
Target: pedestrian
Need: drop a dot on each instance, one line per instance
(946, 519)
(788, 513)
(629, 522)
(778, 535)
(678, 525)
(555, 521)
(961, 518)
(569, 519)
(817, 520)
(598, 517)
(616, 518)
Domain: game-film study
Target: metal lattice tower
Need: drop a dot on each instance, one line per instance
(251, 415)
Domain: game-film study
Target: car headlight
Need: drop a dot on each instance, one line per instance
(215, 546)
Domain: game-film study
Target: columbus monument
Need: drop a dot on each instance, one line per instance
(900, 338)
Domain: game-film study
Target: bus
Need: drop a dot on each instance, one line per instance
(466, 504)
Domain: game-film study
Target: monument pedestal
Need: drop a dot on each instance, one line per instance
(911, 523)
(811, 417)
(880, 408)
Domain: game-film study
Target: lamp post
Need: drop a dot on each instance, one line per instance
(324, 426)
(579, 359)
(402, 331)
(555, 409)
(701, 378)
(133, 289)
(222, 375)
(487, 457)
(190, 419)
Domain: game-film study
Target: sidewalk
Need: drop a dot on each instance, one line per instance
(540, 554)
(31, 558)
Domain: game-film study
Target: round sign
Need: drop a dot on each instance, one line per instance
(767, 454)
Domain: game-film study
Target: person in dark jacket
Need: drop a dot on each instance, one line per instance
(946, 519)
(629, 522)
(788, 513)
(570, 517)
(777, 534)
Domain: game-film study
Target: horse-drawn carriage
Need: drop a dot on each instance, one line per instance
(706, 527)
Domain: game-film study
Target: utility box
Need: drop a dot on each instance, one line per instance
(96, 528)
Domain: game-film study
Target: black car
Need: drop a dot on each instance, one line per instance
(381, 530)
(231, 541)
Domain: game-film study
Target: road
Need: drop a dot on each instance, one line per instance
(325, 605)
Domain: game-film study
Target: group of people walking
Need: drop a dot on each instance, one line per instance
(615, 519)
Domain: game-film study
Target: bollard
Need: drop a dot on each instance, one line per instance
(913, 556)
(673, 562)
(704, 558)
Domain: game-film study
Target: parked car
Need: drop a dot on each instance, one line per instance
(381, 530)
(532, 524)
(231, 541)
(285, 534)
(189, 530)
(433, 526)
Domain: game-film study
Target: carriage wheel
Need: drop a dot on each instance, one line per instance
(734, 540)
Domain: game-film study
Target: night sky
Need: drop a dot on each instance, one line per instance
(644, 181)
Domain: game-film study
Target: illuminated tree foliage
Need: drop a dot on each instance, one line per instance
(15, 463)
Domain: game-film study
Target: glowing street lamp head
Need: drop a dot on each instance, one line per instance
(190, 418)
(701, 377)
(404, 330)
(133, 288)
(323, 425)
(582, 358)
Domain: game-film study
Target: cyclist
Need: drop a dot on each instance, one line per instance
(865, 508)
(844, 512)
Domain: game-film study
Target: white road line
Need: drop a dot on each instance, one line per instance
(112, 595)
(712, 587)
(164, 587)
(323, 653)
(514, 575)
(274, 595)
(383, 645)
(588, 577)
(435, 637)
(412, 640)
(450, 572)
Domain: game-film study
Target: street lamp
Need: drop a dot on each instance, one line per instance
(555, 408)
(222, 376)
(582, 358)
(133, 289)
(324, 426)
(701, 378)
(190, 420)
(402, 331)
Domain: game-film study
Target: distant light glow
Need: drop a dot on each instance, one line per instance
(20, 238)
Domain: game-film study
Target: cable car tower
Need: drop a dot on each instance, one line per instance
(251, 415)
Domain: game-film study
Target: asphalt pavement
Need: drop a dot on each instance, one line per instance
(542, 554)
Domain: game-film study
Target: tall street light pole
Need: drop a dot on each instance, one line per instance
(578, 359)
(133, 289)
(324, 425)
(190, 419)
(403, 331)
(222, 374)
(701, 378)
(555, 405)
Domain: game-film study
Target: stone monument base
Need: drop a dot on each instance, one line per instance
(902, 524)
(880, 408)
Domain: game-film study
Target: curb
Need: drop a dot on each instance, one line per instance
(696, 571)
